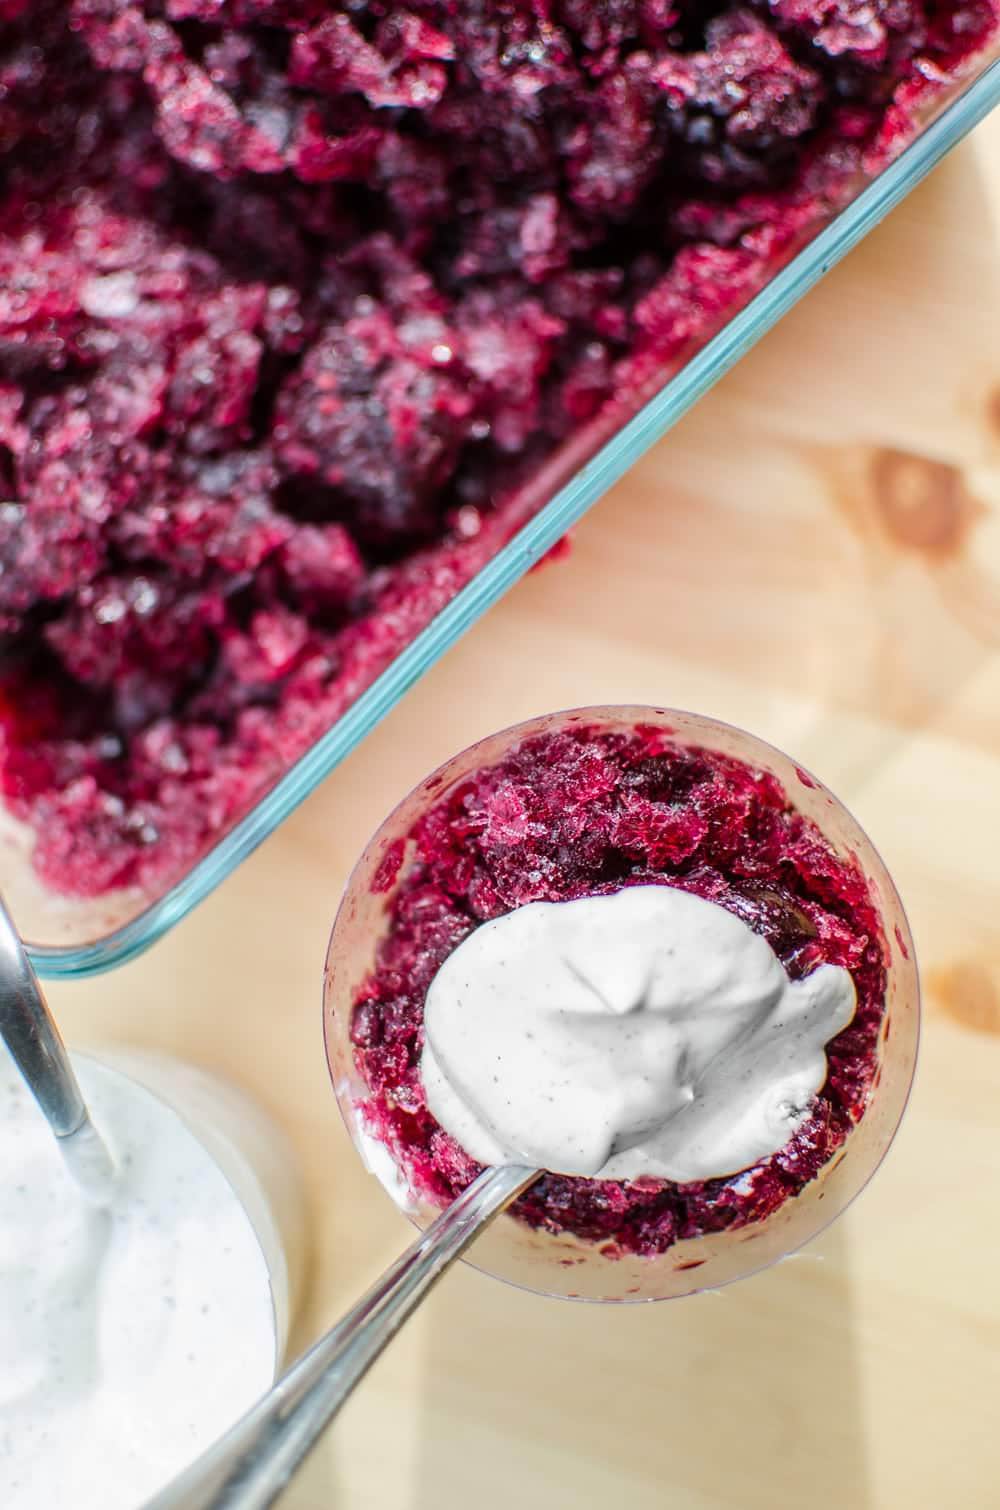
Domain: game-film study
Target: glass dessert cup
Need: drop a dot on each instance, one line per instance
(138, 1331)
(561, 1264)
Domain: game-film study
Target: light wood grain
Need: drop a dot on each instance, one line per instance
(813, 553)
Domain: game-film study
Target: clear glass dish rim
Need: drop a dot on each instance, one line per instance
(539, 534)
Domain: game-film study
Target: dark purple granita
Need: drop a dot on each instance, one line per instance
(306, 307)
(584, 811)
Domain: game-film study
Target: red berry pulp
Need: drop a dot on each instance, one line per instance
(296, 298)
(581, 812)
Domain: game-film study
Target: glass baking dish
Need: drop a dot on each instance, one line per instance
(69, 937)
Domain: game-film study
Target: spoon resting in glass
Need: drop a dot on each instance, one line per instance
(253, 1463)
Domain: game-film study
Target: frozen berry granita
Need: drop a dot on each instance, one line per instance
(720, 969)
(296, 298)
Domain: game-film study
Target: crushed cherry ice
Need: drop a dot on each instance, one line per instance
(296, 296)
(584, 811)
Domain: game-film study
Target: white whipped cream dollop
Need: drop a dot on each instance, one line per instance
(133, 1334)
(646, 1033)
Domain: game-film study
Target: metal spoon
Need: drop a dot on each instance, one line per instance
(30, 1033)
(255, 1460)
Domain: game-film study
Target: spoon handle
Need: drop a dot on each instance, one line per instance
(254, 1462)
(33, 1038)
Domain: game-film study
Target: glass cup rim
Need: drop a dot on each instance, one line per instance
(625, 712)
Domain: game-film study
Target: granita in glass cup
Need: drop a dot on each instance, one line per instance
(765, 866)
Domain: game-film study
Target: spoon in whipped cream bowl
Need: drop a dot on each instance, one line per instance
(149, 1259)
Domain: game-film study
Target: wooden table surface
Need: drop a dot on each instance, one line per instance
(813, 553)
